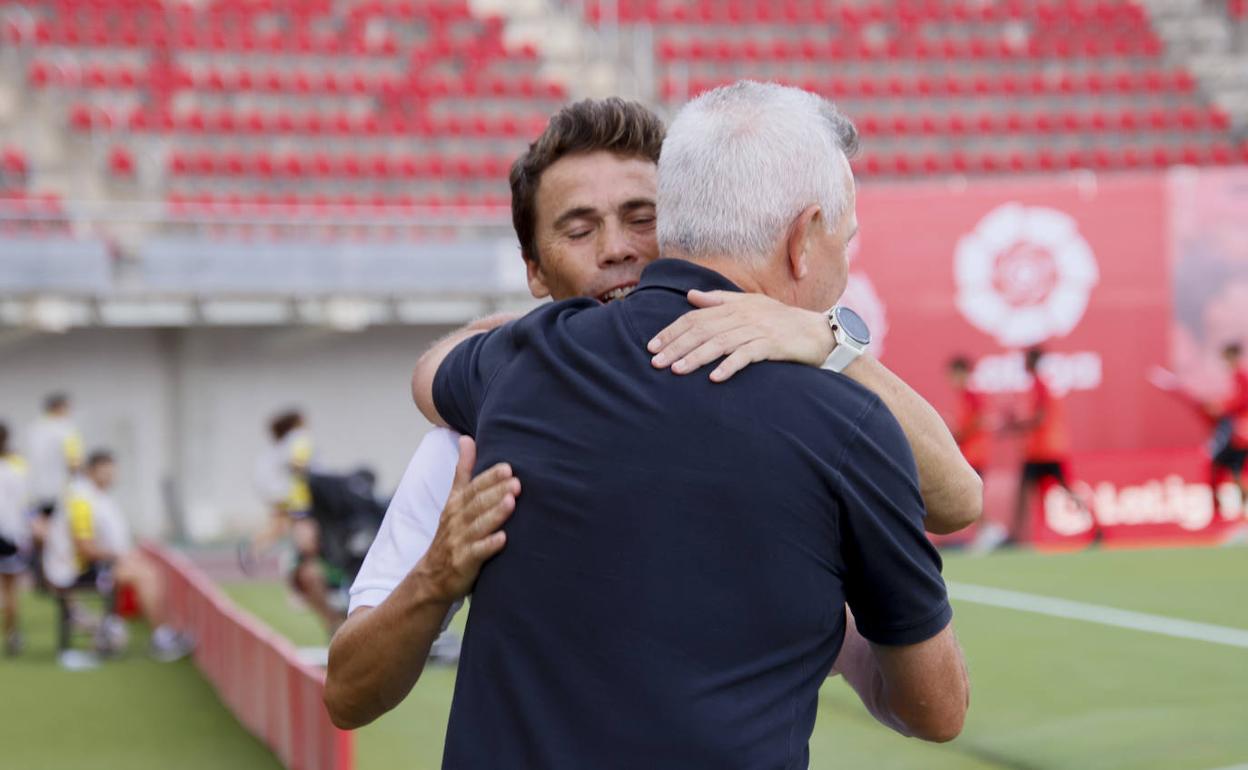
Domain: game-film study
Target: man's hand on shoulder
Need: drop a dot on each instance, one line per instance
(468, 533)
(746, 328)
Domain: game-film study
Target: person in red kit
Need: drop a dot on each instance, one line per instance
(1227, 420)
(1046, 455)
(1234, 416)
(969, 425)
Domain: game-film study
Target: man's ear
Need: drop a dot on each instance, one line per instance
(799, 241)
(537, 279)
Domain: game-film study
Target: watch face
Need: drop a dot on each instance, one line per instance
(853, 325)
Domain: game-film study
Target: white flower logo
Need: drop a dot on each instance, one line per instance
(1024, 274)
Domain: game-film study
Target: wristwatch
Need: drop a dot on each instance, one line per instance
(852, 338)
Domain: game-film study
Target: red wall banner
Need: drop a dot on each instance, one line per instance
(1102, 271)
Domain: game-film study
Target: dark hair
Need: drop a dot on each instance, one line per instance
(4, 439)
(1233, 349)
(627, 129)
(99, 457)
(959, 364)
(1032, 357)
(54, 401)
(284, 423)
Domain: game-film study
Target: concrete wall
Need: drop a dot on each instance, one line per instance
(189, 407)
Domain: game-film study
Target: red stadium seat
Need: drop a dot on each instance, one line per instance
(1193, 155)
(121, 162)
(14, 162)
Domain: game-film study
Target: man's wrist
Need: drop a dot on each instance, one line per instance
(824, 337)
(426, 590)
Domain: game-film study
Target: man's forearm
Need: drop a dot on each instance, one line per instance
(952, 492)
(379, 653)
(860, 668)
(925, 686)
(427, 366)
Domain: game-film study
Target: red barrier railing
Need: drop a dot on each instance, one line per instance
(255, 671)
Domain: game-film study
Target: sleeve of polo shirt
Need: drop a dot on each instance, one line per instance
(461, 382)
(892, 571)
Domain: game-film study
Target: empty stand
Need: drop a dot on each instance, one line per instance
(953, 86)
(421, 102)
(342, 99)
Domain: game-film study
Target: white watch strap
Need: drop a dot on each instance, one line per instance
(842, 356)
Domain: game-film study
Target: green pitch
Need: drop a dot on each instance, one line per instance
(128, 714)
(1047, 692)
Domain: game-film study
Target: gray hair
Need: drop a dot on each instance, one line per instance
(741, 162)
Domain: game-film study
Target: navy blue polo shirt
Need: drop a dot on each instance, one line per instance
(672, 590)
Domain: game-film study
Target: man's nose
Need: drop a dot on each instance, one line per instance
(618, 247)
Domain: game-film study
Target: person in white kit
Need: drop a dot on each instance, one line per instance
(583, 208)
(14, 538)
(54, 450)
(89, 541)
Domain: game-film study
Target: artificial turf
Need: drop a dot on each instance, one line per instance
(1047, 692)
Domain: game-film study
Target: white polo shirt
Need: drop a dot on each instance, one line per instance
(89, 513)
(411, 520)
(54, 446)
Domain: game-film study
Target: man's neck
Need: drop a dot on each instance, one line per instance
(749, 278)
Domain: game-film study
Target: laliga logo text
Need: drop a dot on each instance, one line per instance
(1024, 274)
(1170, 501)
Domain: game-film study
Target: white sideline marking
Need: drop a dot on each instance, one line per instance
(1099, 613)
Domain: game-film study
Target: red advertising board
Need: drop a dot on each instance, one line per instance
(256, 672)
(1082, 266)
(1140, 497)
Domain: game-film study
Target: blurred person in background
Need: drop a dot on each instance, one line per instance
(583, 209)
(1233, 419)
(1046, 456)
(14, 537)
(282, 479)
(1227, 420)
(970, 428)
(89, 543)
(54, 449)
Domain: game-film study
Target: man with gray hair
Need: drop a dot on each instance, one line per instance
(677, 568)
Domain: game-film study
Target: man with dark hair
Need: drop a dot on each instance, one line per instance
(969, 428)
(14, 537)
(583, 210)
(88, 537)
(672, 588)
